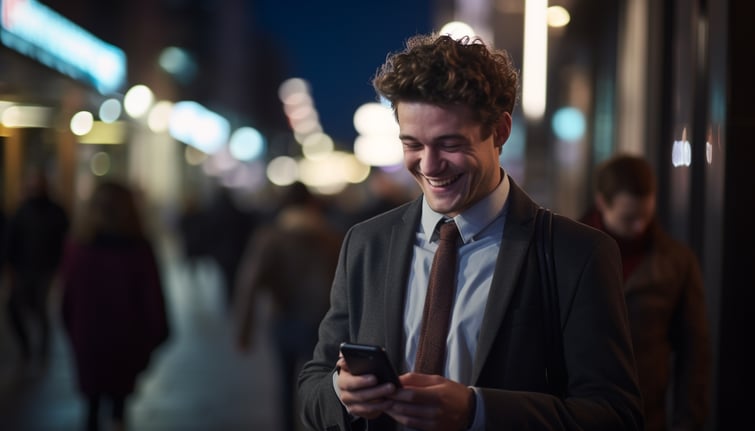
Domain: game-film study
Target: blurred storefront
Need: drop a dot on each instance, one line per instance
(51, 69)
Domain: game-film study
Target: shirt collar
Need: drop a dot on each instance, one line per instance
(476, 218)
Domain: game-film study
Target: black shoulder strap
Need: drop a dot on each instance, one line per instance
(555, 367)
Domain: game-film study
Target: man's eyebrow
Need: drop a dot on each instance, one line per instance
(451, 136)
(448, 136)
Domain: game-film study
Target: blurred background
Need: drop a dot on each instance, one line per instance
(216, 107)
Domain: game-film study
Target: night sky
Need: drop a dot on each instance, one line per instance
(338, 45)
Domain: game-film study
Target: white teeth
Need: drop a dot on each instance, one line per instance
(440, 183)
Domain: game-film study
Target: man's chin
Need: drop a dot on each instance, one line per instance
(442, 206)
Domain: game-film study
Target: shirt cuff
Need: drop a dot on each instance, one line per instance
(335, 386)
(479, 416)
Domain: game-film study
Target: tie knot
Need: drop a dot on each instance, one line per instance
(448, 231)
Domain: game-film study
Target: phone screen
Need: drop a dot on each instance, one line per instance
(369, 359)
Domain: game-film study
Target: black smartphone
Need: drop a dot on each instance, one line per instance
(369, 359)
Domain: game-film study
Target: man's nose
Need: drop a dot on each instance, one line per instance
(431, 162)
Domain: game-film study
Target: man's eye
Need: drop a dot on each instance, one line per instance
(452, 146)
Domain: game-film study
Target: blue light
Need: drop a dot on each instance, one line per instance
(568, 124)
(195, 125)
(41, 33)
(247, 144)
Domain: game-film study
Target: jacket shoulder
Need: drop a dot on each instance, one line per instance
(568, 229)
(379, 223)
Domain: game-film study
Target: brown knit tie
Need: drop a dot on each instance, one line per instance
(436, 317)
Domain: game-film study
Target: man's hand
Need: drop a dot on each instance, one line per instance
(432, 403)
(361, 395)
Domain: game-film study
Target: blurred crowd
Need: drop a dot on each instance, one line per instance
(101, 271)
(106, 263)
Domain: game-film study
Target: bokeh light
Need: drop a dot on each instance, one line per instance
(558, 16)
(158, 118)
(100, 164)
(247, 144)
(283, 171)
(457, 30)
(110, 110)
(568, 124)
(81, 123)
(138, 100)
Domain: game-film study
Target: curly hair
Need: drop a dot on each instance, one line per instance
(439, 70)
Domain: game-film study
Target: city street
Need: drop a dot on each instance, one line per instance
(197, 381)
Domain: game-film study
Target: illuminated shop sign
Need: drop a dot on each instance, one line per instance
(39, 32)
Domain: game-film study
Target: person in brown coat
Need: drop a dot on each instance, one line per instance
(664, 295)
(293, 259)
(113, 307)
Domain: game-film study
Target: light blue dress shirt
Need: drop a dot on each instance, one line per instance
(481, 229)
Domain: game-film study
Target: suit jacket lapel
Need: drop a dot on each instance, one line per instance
(515, 242)
(400, 248)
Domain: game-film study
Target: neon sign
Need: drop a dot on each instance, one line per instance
(41, 33)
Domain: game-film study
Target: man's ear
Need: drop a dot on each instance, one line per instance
(502, 130)
(600, 202)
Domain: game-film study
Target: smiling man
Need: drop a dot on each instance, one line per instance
(443, 149)
(453, 100)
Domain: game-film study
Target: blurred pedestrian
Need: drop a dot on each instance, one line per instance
(664, 296)
(293, 259)
(226, 228)
(36, 233)
(3, 226)
(194, 233)
(113, 305)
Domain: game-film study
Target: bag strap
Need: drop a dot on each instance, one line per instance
(555, 371)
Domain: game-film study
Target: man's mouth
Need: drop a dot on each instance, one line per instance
(442, 182)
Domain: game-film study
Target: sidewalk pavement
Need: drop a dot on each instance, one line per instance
(197, 381)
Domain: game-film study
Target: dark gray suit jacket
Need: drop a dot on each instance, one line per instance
(367, 303)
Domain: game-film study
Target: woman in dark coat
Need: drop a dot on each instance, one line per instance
(113, 304)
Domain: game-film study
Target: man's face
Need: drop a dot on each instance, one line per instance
(627, 217)
(443, 149)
